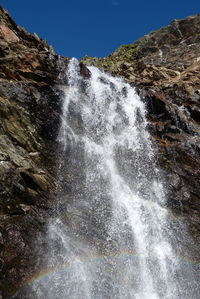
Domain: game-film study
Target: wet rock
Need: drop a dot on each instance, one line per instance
(175, 181)
(84, 71)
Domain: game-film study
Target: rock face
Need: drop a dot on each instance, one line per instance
(164, 66)
(30, 103)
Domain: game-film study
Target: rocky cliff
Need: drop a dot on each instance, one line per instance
(165, 68)
(30, 103)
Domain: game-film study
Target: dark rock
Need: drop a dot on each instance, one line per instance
(84, 71)
(30, 105)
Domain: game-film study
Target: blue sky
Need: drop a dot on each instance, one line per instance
(95, 27)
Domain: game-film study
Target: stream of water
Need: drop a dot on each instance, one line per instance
(113, 236)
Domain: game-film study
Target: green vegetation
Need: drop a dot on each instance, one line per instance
(36, 36)
(24, 30)
(123, 59)
(51, 49)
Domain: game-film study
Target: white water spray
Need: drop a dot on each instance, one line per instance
(113, 237)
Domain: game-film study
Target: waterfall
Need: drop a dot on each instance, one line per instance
(112, 236)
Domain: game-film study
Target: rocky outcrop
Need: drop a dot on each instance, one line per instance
(30, 104)
(165, 68)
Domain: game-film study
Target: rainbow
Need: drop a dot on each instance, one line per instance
(125, 254)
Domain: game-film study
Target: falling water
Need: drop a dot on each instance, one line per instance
(113, 236)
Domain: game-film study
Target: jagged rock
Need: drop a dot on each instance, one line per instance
(30, 103)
